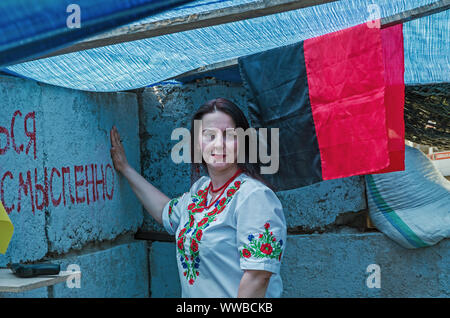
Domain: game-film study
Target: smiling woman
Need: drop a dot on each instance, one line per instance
(230, 229)
(215, 139)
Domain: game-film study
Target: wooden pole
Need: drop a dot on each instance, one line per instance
(399, 18)
(133, 32)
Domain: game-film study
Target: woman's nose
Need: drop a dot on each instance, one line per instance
(218, 141)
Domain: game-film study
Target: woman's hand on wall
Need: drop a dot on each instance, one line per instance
(151, 198)
(118, 156)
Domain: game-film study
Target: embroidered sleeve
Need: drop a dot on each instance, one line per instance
(175, 208)
(172, 213)
(261, 231)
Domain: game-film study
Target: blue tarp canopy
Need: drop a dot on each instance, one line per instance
(145, 62)
(31, 28)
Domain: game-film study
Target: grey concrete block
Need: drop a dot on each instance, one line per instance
(119, 271)
(317, 206)
(336, 265)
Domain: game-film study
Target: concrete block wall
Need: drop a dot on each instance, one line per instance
(329, 251)
(338, 265)
(342, 265)
(61, 191)
(54, 155)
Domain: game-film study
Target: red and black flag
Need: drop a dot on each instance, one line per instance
(337, 100)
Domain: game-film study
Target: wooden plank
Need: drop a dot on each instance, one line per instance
(369, 224)
(208, 68)
(13, 284)
(232, 13)
(402, 17)
(416, 13)
(154, 236)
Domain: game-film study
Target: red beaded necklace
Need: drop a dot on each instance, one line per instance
(221, 188)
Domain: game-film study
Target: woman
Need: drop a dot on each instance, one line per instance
(229, 228)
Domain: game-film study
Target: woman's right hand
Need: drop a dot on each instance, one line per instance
(151, 198)
(118, 156)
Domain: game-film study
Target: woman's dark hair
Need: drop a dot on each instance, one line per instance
(225, 106)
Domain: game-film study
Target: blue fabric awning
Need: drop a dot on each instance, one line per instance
(31, 28)
(145, 62)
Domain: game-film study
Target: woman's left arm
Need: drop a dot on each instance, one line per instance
(254, 284)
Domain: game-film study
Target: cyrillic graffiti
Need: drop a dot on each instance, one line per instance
(9, 135)
(77, 184)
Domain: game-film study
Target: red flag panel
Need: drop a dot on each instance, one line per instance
(347, 92)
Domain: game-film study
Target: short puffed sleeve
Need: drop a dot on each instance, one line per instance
(171, 214)
(261, 230)
(174, 209)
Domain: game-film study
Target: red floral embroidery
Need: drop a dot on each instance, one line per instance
(198, 235)
(203, 222)
(246, 253)
(181, 244)
(220, 209)
(191, 264)
(194, 247)
(266, 249)
(265, 246)
(171, 204)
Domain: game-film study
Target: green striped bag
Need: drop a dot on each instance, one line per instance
(411, 207)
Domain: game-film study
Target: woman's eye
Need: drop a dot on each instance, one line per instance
(208, 135)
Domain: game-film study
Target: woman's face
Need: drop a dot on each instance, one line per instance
(218, 141)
